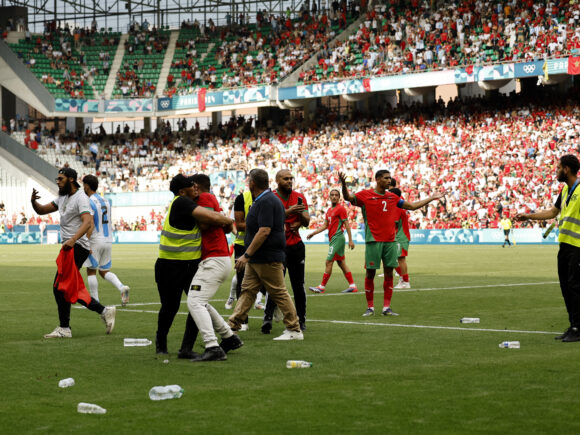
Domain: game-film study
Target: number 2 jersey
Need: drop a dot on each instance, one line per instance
(380, 213)
(101, 208)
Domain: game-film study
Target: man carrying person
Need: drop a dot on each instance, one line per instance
(263, 260)
(380, 211)
(335, 221)
(75, 220)
(101, 239)
(296, 212)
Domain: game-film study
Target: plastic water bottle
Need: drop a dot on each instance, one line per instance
(470, 320)
(90, 408)
(509, 345)
(132, 342)
(295, 364)
(65, 383)
(165, 392)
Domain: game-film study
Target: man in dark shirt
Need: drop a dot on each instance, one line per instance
(264, 258)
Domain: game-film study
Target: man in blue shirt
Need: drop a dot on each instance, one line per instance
(263, 260)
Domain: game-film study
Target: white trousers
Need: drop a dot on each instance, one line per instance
(212, 272)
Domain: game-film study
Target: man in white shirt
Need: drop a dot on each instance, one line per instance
(101, 241)
(75, 220)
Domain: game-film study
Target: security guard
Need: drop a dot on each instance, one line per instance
(179, 257)
(568, 206)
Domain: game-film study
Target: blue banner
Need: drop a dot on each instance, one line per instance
(134, 105)
(529, 69)
(230, 96)
(76, 106)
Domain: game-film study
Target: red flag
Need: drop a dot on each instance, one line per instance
(68, 279)
(201, 99)
(573, 65)
(469, 69)
(367, 85)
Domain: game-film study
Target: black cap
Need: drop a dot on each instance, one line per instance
(180, 181)
(70, 173)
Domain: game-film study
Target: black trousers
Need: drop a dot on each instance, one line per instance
(173, 278)
(569, 274)
(294, 265)
(80, 255)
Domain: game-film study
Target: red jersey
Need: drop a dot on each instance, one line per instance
(380, 212)
(336, 220)
(213, 240)
(292, 237)
(403, 233)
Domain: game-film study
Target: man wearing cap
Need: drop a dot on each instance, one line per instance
(179, 258)
(75, 220)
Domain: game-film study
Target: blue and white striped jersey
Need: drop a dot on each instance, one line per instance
(101, 218)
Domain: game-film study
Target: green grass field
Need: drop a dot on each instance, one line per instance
(421, 372)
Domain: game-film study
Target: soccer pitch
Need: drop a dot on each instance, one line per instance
(421, 372)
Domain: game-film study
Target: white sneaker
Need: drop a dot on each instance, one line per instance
(278, 316)
(108, 317)
(229, 303)
(59, 333)
(244, 327)
(403, 284)
(290, 335)
(125, 295)
(259, 306)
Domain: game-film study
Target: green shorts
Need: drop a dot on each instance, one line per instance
(336, 249)
(387, 252)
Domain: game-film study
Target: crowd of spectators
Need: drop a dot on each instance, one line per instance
(413, 36)
(467, 148)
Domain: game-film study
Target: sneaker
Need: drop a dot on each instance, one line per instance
(563, 335)
(290, 335)
(108, 317)
(229, 303)
(351, 290)
(125, 295)
(59, 333)
(317, 289)
(369, 312)
(388, 312)
(214, 353)
(259, 306)
(278, 316)
(244, 327)
(186, 354)
(231, 343)
(266, 327)
(403, 284)
(572, 336)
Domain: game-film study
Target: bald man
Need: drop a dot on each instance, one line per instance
(296, 209)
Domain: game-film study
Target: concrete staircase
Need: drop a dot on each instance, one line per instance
(116, 65)
(169, 53)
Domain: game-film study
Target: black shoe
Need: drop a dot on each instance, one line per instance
(266, 327)
(231, 343)
(214, 353)
(161, 346)
(303, 326)
(563, 335)
(572, 336)
(187, 354)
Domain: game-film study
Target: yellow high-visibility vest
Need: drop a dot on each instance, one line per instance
(176, 244)
(570, 218)
(248, 201)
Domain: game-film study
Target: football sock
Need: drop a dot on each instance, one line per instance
(258, 298)
(398, 270)
(93, 286)
(233, 287)
(112, 278)
(348, 277)
(388, 287)
(406, 277)
(369, 292)
(325, 279)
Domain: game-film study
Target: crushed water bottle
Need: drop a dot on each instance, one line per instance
(295, 364)
(90, 408)
(132, 342)
(65, 383)
(469, 320)
(509, 345)
(165, 392)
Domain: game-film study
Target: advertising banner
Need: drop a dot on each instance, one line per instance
(76, 106)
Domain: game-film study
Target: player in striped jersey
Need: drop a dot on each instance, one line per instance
(335, 221)
(101, 238)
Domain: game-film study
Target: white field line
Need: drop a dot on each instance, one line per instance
(392, 325)
(522, 284)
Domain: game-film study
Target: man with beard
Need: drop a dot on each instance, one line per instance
(75, 220)
(568, 206)
(296, 210)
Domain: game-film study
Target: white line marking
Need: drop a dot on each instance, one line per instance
(393, 325)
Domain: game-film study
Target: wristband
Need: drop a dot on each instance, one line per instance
(247, 256)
